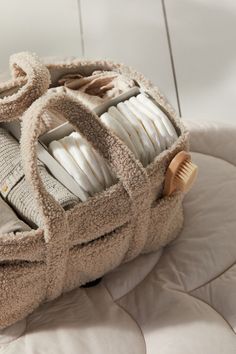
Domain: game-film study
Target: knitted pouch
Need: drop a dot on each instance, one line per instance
(114, 226)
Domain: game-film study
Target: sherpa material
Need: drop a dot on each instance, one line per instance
(82, 244)
(30, 80)
(15, 189)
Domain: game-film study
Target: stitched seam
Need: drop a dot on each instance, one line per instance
(135, 321)
(214, 278)
(120, 298)
(105, 236)
(209, 305)
(129, 314)
(6, 346)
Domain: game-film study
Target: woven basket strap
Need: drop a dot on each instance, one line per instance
(31, 79)
(130, 171)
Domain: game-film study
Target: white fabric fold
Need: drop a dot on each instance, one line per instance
(148, 127)
(63, 157)
(159, 113)
(113, 124)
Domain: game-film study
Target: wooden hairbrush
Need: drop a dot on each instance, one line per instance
(181, 174)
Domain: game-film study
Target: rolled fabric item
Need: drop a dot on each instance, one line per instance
(97, 163)
(113, 113)
(138, 128)
(88, 154)
(14, 188)
(9, 222)
(147, 144)
(60, 153)
(163, 135)
(155, 109)
(74, 150)
(68, 153)
(130, 129)
(148, 128)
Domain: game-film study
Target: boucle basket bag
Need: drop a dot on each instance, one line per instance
(83, 243)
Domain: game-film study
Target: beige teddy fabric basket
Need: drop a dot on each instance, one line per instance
(83, 243)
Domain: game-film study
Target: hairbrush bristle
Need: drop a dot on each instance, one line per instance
(186, 175)
(180, 174)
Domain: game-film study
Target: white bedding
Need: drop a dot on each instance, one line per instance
(179, 300)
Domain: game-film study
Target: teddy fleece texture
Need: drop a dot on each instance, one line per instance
(81, 244)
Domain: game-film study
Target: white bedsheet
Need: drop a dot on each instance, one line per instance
(175, 301)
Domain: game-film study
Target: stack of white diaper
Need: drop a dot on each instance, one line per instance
(144, 128)
(83, 163)
(138, 122)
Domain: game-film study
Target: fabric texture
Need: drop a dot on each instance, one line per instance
(81, 244)
(30, 80)
(9, 222)
(180, 299)
(97, 88)
(15, 189)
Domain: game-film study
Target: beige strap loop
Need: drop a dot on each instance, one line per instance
(128, 169)
(30, 80)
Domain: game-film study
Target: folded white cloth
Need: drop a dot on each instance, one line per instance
(66, 160)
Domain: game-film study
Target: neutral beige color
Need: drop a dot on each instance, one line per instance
(15, 189)
(9, 222)
(97, 88)
(181, 174)
(30, 79)
(84, 243)
(180, 299)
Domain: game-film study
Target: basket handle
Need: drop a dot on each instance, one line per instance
(129, 170)
(132, 174)
(31, 78)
